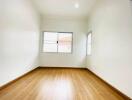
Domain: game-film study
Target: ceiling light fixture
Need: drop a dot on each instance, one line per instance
(76, 5)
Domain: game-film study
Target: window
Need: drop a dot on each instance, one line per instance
(57, 42)
(89, 43)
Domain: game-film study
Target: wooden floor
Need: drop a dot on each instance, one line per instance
(59, 84)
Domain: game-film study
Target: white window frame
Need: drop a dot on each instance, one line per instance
(57, 46)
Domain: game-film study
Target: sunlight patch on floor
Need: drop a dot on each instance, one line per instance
(60, 89)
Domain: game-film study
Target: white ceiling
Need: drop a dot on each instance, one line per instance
(64, 7)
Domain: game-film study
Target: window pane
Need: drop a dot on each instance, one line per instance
(50, 36)
(50, 48)
(50, 42)
(89, 42)
(65, 37)
(64, 48)
(65, 42)
(89, 38)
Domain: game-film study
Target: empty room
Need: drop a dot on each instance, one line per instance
(65, 49)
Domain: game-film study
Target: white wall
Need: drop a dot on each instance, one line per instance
(111, 59)
(19, 39)
(66, 24)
